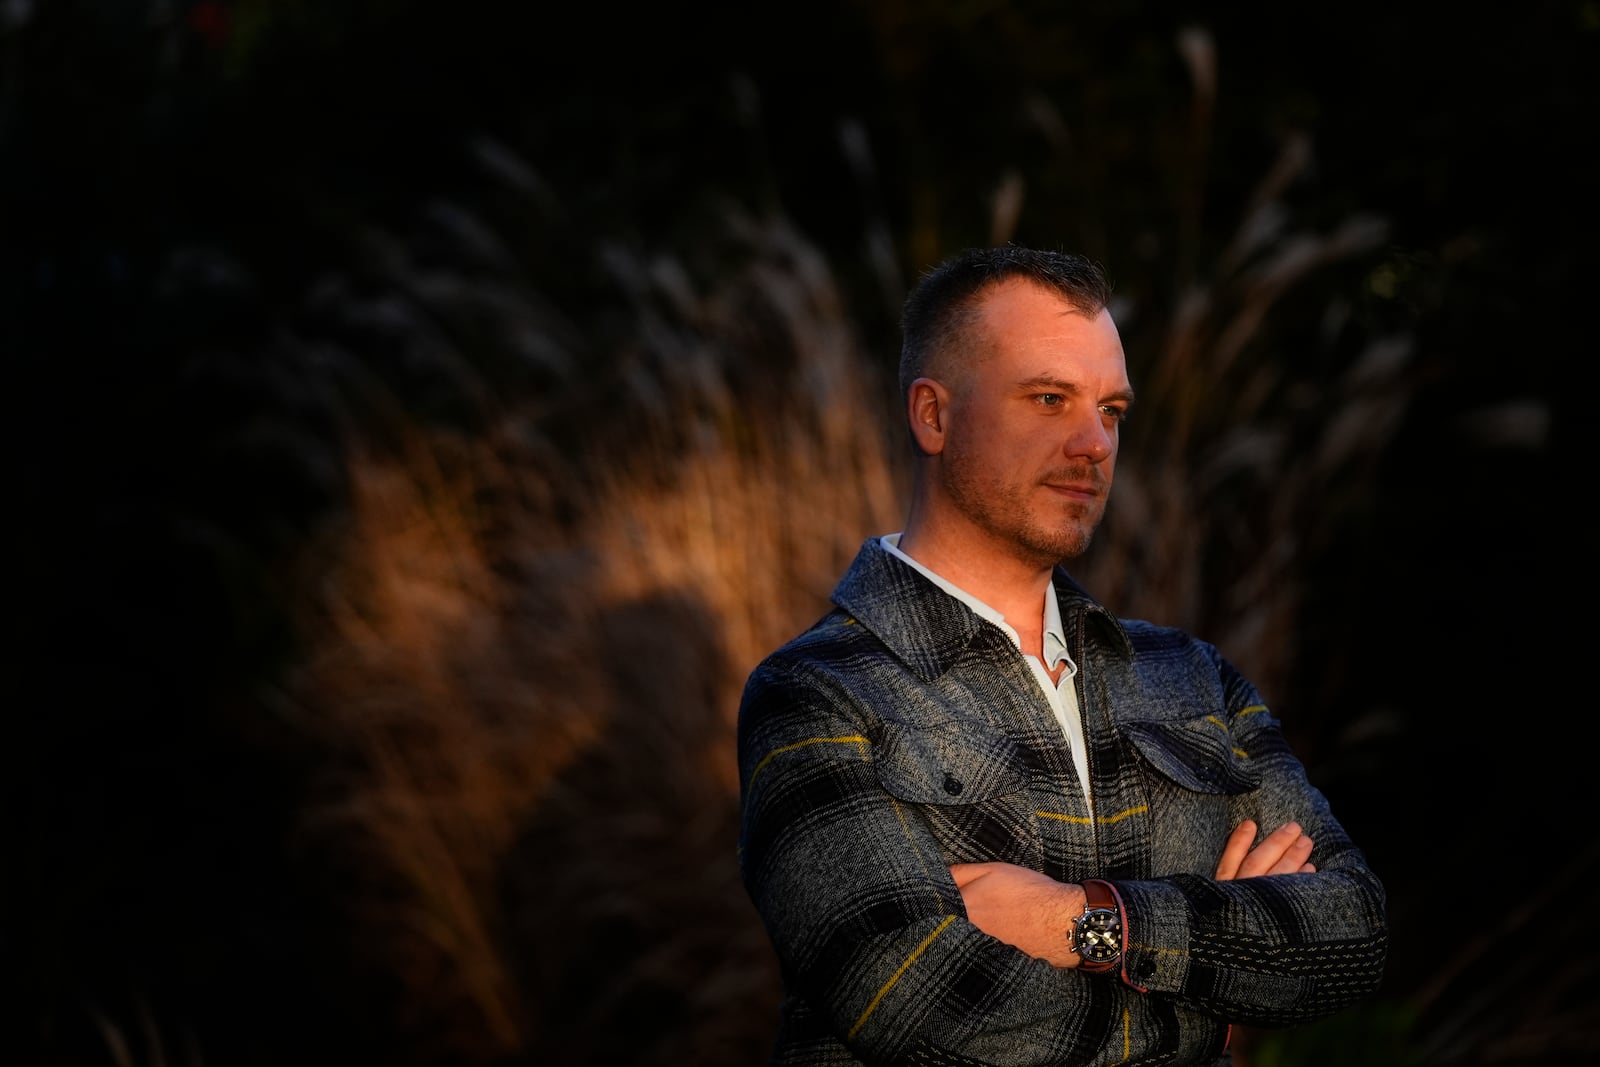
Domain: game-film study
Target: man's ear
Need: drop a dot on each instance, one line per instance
(926, 403)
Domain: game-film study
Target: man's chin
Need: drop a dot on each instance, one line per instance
(1061, 545)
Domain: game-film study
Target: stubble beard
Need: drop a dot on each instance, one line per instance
(1006, 511)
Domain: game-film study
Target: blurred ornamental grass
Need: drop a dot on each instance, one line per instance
(523, 656)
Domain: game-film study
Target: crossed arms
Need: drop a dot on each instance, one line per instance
(1029, 910)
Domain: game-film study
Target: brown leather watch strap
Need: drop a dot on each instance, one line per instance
(1098, 894)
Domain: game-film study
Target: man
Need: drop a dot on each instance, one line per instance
(984, 820)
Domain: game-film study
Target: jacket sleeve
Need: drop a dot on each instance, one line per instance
(1267, 951)
(868, 924)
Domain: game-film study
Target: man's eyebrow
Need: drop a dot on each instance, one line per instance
(1061, 385)
(1046, 381)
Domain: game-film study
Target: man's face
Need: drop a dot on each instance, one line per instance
(1031, 441)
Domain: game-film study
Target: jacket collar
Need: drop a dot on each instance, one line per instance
(927, 627)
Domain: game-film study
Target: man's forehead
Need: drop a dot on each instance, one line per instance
(1015, 289)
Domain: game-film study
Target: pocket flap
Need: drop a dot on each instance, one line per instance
(948, 765)
(1197, 754)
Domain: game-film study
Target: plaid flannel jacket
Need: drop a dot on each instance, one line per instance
(901, 734)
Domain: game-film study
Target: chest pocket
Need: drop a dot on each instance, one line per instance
(1197, 754)
(969, 785)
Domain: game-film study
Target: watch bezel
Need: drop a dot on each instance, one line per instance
(1097, 936)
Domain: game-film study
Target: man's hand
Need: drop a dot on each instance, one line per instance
(1021, 907)
(1284, 851)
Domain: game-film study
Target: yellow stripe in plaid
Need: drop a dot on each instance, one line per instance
(896, 976)
(770, 756)
(1103, 820)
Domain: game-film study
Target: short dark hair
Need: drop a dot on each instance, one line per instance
(942, 307)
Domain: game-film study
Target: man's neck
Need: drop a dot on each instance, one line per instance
(1013, 587)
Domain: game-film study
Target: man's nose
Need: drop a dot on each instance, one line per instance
(1092, 440)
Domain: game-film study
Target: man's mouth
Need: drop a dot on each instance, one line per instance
(1076, 484)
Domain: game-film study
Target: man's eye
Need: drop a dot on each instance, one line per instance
(1111, 411)
(1051, 400)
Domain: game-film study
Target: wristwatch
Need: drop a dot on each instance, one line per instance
(1097, 935)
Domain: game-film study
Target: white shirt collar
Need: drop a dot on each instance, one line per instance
(1055, 638)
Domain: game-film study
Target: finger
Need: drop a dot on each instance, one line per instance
(967, 873)
(1235, 850)
(1275, 851)
(1294, 858)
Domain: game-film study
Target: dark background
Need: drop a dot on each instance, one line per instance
(200, 206)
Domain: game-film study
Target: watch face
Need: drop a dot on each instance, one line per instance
(1099, 935)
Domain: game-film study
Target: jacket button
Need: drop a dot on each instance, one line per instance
(1145, 970)
(952, 786)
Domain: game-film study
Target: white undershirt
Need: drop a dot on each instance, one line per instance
(1062, 695)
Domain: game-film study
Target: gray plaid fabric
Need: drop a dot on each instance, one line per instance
(901, 734)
